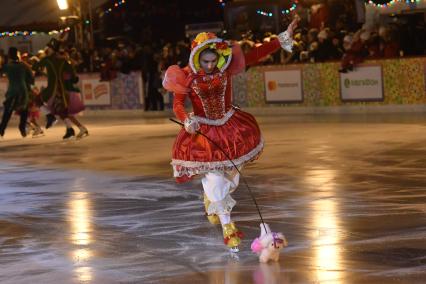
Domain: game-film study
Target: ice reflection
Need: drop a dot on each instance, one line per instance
(325, 223)
(269, 273)
(84, 273)
(80, 219)
(231, 274)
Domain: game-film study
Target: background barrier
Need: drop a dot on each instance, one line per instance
(376, 82)
(399, 81)
(124, 92)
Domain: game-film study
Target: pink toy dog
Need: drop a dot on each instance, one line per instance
(268, 245)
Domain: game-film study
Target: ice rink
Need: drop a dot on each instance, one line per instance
(348, 192)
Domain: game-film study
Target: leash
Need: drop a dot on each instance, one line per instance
(235, 166)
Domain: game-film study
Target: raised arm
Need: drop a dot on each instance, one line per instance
(284, 40)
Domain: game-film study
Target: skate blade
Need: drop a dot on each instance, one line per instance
(234, 257)
(68, 139)
(82, 136)
(53, 124)
(38, 135)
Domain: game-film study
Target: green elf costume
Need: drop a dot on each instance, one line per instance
(58, 95)
(17, 94)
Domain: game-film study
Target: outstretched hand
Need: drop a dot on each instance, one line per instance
(293, 25)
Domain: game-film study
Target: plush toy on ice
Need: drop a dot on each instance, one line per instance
(269, 244)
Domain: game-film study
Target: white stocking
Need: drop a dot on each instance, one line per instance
(225, 219)
(216, 187)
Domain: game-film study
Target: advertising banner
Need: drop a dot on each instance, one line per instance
(282, 86)
(363, 84)
(95, 92)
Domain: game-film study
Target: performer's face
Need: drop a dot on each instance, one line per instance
(208, 61)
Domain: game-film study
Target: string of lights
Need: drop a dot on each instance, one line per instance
(263, 13)
(284, 11)
(391, 3)
(222, 3)
(115, 6)
(291, 9)
(31, 33)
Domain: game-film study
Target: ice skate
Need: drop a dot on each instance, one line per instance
(232, 237)
(50, 120)
(83, 133)
(69, 134)
(37, 132)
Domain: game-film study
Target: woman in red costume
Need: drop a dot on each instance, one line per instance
(207, 83)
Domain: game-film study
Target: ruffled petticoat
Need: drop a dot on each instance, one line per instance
(237, 133)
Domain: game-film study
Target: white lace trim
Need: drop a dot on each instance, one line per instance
(191, 168)
(223, 206)
(286, 41)
(215, 122)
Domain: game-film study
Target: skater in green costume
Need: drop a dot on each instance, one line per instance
(17, 95)
(60, 96)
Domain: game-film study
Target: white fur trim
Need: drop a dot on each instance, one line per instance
(191, 168)
(201, 45)
(286, 41)
(215, 122)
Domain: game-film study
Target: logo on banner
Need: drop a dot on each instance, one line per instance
(347, 83)
(357, 83)
(283, 85)
(100, 90)
(365, 83)
(272, 85)
(95, 92)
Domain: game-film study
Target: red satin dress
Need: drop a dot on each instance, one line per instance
(234, 130)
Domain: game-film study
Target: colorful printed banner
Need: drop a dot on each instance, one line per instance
(403, 81)
(95, 92)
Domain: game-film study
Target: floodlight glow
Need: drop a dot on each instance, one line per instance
(63, 4)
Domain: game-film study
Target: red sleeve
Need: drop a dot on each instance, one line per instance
(254, 55)
(238, 63)
(179, 106)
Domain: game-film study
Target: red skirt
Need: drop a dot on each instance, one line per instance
(239, 137)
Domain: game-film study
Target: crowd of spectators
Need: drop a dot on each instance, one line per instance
(327, 44)
(312, 43)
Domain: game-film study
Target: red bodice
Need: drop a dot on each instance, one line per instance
(210, 96)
